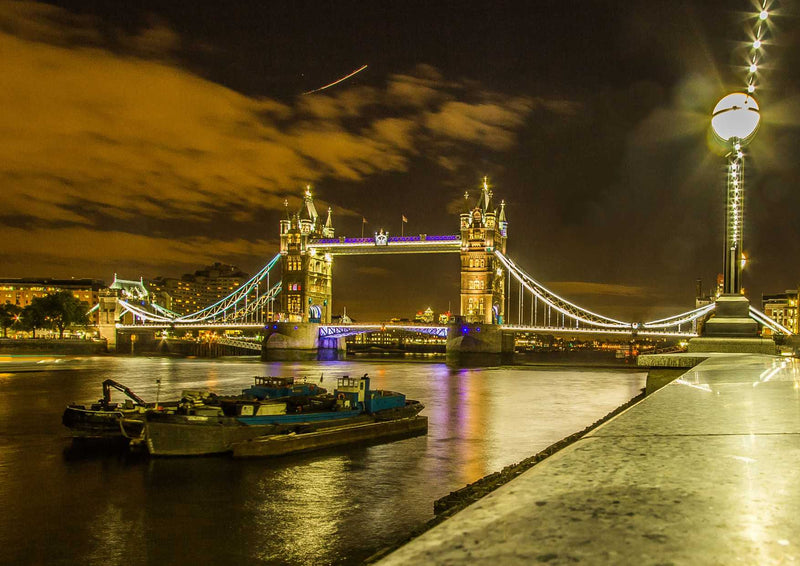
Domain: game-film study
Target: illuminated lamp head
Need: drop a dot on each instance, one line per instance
(735, 116)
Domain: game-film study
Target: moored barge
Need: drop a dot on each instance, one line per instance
(197, 430)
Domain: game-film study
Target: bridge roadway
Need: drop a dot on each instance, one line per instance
(381, 244)
(343, 330)
(703, 471)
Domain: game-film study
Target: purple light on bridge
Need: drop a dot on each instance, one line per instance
(404, 239)
(420, 238)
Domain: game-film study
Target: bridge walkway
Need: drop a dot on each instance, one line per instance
(703, 471)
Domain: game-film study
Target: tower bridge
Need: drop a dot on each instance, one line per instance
(308, 248)
(290, 299)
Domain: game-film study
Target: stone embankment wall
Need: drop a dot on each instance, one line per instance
(52, 346)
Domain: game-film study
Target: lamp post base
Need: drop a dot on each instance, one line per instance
(731, 330)
(731, 319)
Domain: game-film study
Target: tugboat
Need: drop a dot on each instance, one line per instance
(105, 420)
(197, 429)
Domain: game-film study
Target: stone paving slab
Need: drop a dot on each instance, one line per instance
(705, 471)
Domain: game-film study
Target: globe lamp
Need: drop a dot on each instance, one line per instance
(735, 116)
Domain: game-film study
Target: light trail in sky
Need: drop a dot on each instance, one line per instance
(344, 78)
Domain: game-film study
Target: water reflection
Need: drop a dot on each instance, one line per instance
(333, 507)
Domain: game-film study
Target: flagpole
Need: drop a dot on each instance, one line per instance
(402, 227)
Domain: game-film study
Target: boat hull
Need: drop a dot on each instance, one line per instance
(190, 435)
(103, 425)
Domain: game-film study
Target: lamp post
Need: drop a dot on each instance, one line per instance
(735, 120)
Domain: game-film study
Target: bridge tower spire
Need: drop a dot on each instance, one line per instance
(484, 229)
(306, 294)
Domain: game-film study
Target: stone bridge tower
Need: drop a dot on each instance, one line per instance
(306, 293)
(484, 229)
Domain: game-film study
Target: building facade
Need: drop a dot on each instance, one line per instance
(484, 229)
(21, 291)
(192, 292)
(782, 308)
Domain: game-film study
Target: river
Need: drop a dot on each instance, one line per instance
(61, 506)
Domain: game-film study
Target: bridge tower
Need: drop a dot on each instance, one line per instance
(306, 293)
(484, 229)
(109, 313)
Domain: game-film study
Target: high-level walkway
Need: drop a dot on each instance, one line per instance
(704, 471)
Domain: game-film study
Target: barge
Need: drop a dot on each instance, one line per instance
(377, 430)
(198, 429)
(108, 420)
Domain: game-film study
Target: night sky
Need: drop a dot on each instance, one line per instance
(152, 138)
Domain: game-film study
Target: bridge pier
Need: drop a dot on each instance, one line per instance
(286, 341)
(480, 343)
(108, 315)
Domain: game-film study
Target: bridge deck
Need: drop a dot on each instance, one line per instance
(390, 245)
(704, 471)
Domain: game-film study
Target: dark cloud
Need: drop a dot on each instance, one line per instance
(90, 131)
(155, 124)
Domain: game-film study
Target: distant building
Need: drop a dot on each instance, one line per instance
(425, 317)
(394, 339)
(193, 292)
(782, 308)
(702, 298)
(131, 290)
(21, 291)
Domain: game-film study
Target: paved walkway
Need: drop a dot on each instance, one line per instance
(704, 471)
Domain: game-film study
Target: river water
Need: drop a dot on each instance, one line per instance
(61, 506)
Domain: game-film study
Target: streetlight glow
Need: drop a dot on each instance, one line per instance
(763, 15)
(735, 116)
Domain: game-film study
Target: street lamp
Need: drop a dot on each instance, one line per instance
(735, 120)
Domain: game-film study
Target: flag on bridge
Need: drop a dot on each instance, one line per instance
(404, 218)
(363, 220)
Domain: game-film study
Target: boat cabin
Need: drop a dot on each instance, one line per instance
(272, 387)
(355, 392)
(351, 391)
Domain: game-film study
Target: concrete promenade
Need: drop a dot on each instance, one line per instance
(704, 471)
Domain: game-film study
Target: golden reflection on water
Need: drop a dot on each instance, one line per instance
(115, 537)
(471, 425)
(310, 506)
